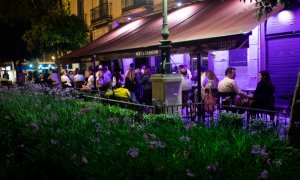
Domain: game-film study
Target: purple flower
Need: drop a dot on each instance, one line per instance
(33, 126)
(157, 144)
(86, 109)
(184, 138)
(126, 119)
(107, 132)
(189, 173)
(277, 163)
(53, 141)
(258, 150)
(264, 174)
(94, 121)
(96, 140)
(84, 160)
(190, 125)
(185, 153)
(112, 120)
(132, 127)
(212, 167)
(47, 108)
(133, 152)
(148, 137)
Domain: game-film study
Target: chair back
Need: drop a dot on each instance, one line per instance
(78, 84)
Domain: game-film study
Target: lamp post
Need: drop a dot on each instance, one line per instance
(165, 43)
(166, 87)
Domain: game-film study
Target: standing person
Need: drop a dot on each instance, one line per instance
(186, 86)
(5, 75)
(117, 79)
(29, 76)
(139, 76)
(131, 84)
(131, 67)
(147, 87)
(264, 93)
(104, 79)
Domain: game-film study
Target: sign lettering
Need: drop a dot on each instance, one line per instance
(147, 53)
(227, 44)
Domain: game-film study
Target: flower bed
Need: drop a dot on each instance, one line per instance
(49, 137)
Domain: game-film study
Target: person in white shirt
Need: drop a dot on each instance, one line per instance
(228, 87)
(79, 77)
(65, 79)
(186, 86)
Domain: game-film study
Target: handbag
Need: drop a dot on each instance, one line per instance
(209, 102)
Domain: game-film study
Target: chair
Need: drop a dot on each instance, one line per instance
(226, 99)
(78, 84)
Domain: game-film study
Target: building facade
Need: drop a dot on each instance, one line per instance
(103, 15)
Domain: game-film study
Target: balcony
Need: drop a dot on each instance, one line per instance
(128, 5)
(101, 14)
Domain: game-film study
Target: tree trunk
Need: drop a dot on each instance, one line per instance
(61, 5)
(294, 128)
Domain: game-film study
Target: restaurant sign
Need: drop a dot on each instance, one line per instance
(147, 53)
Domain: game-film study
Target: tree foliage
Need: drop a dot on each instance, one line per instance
(20, 16)
(60, 32)
(266, 6)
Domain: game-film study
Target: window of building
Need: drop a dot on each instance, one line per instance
(80, 9)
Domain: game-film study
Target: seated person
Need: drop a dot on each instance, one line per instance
(228, 89)
(90, 84)
(79, 80)
(66, 82)
(119, 93)
(54, 78)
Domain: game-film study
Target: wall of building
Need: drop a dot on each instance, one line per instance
(282, 53)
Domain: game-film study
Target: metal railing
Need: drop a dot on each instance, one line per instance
(128, 5)
(140, 108)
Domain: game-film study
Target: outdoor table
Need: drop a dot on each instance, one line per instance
(249, 91)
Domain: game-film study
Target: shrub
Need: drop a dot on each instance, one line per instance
(231, 120)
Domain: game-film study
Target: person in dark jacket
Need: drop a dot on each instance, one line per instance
(264, 93)
(147, 87)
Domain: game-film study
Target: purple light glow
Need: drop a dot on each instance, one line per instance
(286, 17)
(116, 24)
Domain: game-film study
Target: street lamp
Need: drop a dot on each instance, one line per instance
(165, 43)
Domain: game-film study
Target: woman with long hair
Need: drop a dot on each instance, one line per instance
(131, 84)
(264, 93)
